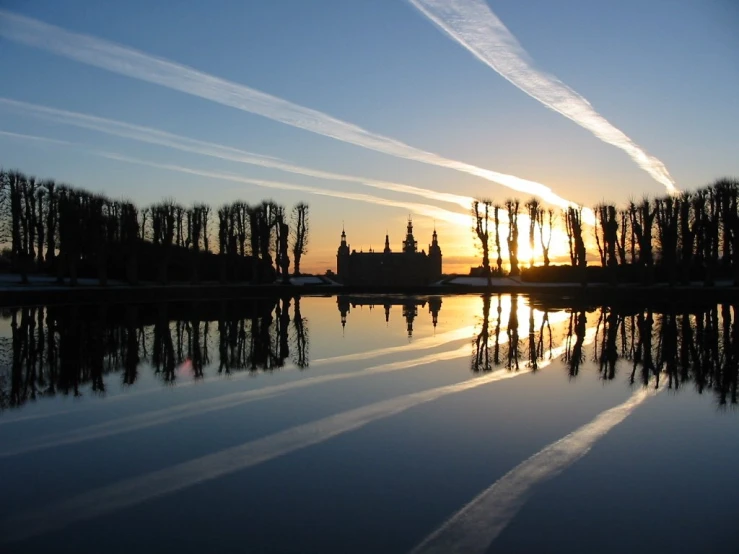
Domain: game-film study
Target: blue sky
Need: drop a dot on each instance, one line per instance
(663, 72)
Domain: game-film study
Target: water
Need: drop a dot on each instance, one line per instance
(359, 424)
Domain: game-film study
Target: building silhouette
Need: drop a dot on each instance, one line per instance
(408, 267)
(409, 307)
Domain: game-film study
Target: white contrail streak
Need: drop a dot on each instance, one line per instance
(477, 525)
(425, 210)
(33, 138)
(473, 25)
(138, 65)
(136, 490)
(175, 413)
(419, 344)
(199, 407)
(214, 150)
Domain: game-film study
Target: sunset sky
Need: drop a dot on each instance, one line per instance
(371, 110)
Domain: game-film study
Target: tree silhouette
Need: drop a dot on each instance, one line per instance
(667, 211)
(532, 207)
(300, 228)
(481, 361)
(545, 220)
(573, 225)
(512, 207)
(481, 222)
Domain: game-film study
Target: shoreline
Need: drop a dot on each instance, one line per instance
(117, 293)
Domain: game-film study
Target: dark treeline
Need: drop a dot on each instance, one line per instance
(70, 350)
(63, 349)
(71, 233)
(696, 347)
(692, 236)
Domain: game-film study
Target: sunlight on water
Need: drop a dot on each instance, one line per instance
(438, 423)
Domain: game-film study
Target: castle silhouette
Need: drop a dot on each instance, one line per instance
(409, 267)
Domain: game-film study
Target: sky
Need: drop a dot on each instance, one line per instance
(372, 110)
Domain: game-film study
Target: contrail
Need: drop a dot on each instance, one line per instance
(214, 150)
(138, 65)
(33, 138)
(420, 344)
(174, 413)
(473, 25)
(477, 525)
(136, 490)
(131, 492)
(199, 407)
(417, 344)
(425, 210)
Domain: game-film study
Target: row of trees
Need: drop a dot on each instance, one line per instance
(698, 345)
(689, 236)
(67, 231)
(70, 349)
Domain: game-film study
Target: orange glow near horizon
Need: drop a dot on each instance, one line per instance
(460, 247)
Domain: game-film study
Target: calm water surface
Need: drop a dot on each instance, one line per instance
(378, 425)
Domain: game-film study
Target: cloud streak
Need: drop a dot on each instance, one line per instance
(231, 400)
(33, 138)
(138, 65)
(478, 524)
(214, 150)
(474, 26)
(133, 491)
(425, 210)
(419, 344)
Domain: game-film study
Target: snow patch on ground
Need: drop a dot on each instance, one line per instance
(307, 280)
(482, 281)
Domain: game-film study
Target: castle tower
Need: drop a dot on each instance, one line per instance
(434, 257)
(410, 246)
(342, 258)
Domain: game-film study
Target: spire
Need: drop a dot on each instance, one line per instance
(387, 243)
(409, 244)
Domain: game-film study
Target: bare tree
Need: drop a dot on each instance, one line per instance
(512, 206)
(300, 228)
(545, 220)
(481, 222)
(533, 207)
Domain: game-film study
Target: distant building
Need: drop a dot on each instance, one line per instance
(409, 305)
(408, 267)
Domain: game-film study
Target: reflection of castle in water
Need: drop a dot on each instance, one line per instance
(409, 305)
(66, 349)
(408, 267)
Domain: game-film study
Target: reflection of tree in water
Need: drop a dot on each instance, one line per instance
(605, 351)
(574, 350)
(481, 343)
(698, 345)
(63, 349)
(70, 349)
(499, 314)
(513, 346)
(481, 359)
(300, 338)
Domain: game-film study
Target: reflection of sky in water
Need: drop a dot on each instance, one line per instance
(372, 452)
